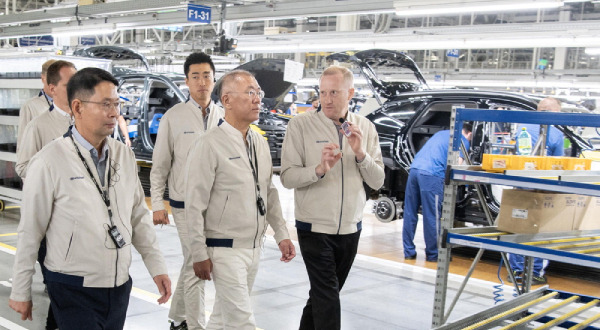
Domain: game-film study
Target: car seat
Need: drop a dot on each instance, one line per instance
(153, 128)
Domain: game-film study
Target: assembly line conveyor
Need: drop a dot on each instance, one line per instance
(546, 307)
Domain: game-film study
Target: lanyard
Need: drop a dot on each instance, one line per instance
(254, 166)
(103, 193)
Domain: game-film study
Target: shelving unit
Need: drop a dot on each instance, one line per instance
(584, 246)
(10, 183)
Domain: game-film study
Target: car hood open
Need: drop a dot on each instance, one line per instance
(114, 53)
(269, 74)
(368, 59)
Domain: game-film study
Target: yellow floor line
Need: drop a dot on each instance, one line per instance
(135, 292)
(6, 246)
(9, 234)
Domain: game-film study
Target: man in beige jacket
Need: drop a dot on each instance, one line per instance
(88, 201)
(178, 129)
(35, 106)
(326, 164)
(230, 200)
(50, 124)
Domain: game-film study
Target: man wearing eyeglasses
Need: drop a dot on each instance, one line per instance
(230, 199)
(178, 129)
(51, 124)
(326, 163)
(88, 201)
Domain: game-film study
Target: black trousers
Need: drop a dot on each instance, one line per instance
(328, 259)
(50, 321)
(77, 307)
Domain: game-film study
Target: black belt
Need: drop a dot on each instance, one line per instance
(219, 242)
(176, 204)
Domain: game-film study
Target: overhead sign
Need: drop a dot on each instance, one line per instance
(197, 13)
(36, 41)
(177, 28)
(453, 53)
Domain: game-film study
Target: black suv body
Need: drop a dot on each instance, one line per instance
(410, 115)
(148, 96)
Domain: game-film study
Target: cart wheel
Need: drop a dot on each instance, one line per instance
(1, 205)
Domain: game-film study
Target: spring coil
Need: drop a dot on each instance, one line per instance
(499, 288)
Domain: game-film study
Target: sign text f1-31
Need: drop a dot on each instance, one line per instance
(197, 13)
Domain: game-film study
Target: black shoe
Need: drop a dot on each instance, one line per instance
(182, 326)
(413, 257)
(538, 280)
(434, 259)
(518, 277)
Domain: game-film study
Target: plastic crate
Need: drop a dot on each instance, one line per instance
(579, 164)
(527, 163)
(556, 163)
(496, 163)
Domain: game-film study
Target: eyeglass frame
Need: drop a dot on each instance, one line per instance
(113, 105)
(253, 93)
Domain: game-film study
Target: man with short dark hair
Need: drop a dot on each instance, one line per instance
(425, 188)
(230, 200)
(51, 124)
(326, 163)
(88, 201)
(178, 128)
(36, 105)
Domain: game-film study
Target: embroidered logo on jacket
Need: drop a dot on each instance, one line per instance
(233, 158)
(322, 141)
(76, 178)
(189, 132)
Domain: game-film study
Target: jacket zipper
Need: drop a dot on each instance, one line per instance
(342, 201)
(116, 266)
(257, 222)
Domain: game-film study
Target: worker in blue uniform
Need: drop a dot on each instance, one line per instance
(554, 147)
(425, 187)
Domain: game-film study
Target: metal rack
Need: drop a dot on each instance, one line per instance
(574, 247)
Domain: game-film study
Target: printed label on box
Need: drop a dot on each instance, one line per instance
(499, 163)
(530, 166)
(519, 213)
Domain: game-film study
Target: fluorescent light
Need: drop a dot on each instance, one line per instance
(82, 31)
(457, 7)
(592, 51)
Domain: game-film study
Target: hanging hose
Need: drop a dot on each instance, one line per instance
(499, 288)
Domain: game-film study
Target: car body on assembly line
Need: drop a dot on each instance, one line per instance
(146, 97)
(409, 114)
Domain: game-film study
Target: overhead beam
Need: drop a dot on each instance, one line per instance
(149, 12)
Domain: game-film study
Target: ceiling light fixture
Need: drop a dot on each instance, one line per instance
(84, 30)
(431, 7)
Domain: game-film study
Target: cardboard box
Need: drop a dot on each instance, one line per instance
(529, 212)
(587, 213)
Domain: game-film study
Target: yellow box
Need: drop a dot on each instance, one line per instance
(496, 163)
(555, 163)
(578, 164)
(527, 163)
